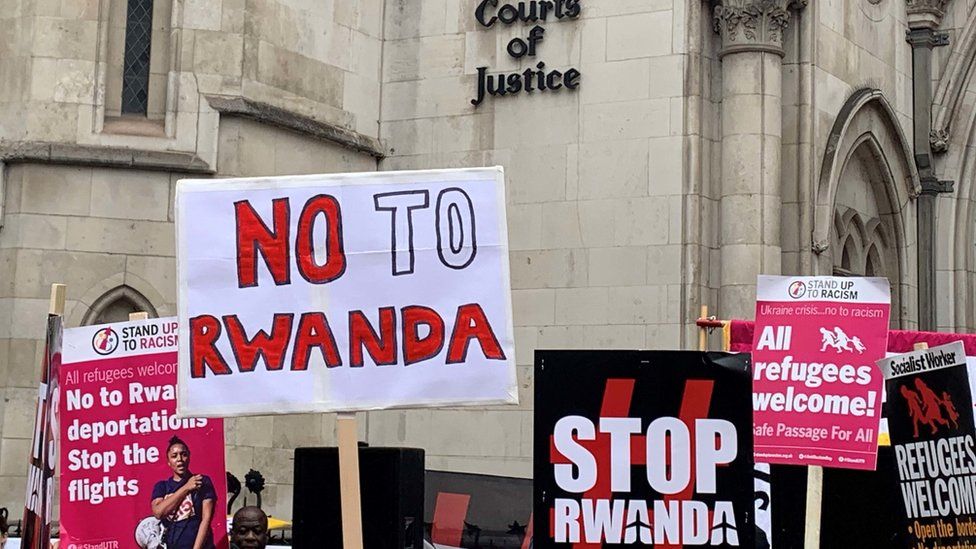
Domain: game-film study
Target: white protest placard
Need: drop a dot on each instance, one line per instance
(344, 292)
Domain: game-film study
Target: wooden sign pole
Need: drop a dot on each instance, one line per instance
(811, 539)
(814, 506)
(702, 331)
(352, 520)
(706, 324)
(138, 316)
(58, 296)
(811, 536)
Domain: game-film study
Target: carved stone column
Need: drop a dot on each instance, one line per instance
(754, 25)
(924, 18)
(752, 34)
(926, 13)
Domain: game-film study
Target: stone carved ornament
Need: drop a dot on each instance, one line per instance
(939, 140)
(927, 7)
(757, 23)
(820, 246)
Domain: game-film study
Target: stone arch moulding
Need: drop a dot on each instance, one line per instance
(958, 218)
(954, 127)
(852, 242)
(867, 123)
(953, 85)
(122, 292)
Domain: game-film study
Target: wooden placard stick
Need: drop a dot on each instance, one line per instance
(352, 520)
(702, 331)
(138, 316)
(921, 346)
(811, 536)
(58, 295)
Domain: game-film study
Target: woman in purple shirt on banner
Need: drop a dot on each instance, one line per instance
(185, 502)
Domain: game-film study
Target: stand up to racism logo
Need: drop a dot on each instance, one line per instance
(105, 341)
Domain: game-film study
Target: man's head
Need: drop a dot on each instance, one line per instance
(250, 528)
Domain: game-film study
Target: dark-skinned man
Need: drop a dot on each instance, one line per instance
(249, 529)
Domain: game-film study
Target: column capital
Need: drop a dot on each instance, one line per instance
(753, 25)
(926, 13)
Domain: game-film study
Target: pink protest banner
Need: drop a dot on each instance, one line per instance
(119, 460)
(816, 388)
(899, 341)
(36, 527)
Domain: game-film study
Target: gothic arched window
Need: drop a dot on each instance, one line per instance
(116, 305)
(863, 201)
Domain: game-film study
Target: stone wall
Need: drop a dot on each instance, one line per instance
(14, 66)
(837, 49)
(93, 228)
(595, 178)
(61, 69)
(251, 149)
(615, 191)
(97, 229)
(955, 92)
(45, 66)
(320, 58)
(706, 167)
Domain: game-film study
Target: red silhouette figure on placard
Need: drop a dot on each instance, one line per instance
(950, 409)
(914, 408)
(933, 405)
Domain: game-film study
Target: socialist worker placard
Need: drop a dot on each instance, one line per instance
(930, 417)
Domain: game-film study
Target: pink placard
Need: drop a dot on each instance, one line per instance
(817, 391)
(117, 414)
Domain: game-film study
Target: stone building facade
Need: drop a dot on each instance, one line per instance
(698, 144)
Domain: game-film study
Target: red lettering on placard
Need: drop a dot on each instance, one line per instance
(471, 323)
(253, 236)
(335, 256)
(382, 348)
(449, 513)
(314, 331)
(416, 348)
(204, 333)
(421, 336)
(271, 348)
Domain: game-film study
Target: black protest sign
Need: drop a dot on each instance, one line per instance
(930, 420)
(643, 447)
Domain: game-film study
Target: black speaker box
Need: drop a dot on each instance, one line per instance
(391, 482)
